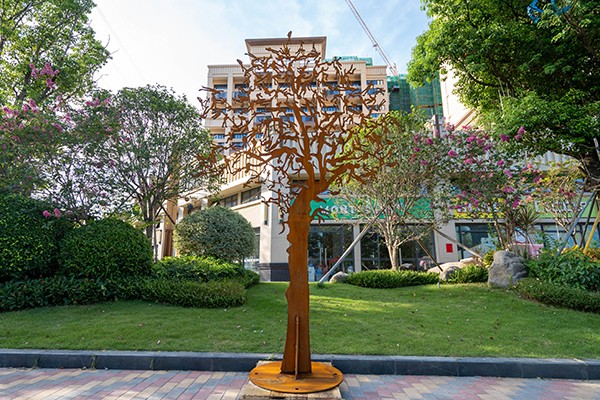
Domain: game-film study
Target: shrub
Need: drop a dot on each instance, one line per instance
(559, 295)
(61, 290)
(488, 259)
(386, 278)
(215, 294)
(28, 240)
(203, 269)
(105, 249)
(216, 231)
(469, 274)
(571, 268)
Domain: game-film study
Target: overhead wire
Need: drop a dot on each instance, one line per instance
(121, 45)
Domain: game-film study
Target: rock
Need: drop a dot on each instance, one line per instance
(448, 272)
(506, 270)
(471, 260)
(339, 277)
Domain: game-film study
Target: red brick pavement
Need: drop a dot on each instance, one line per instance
(53, 384)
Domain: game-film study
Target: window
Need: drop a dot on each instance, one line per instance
(251, 195)
(375, 255)
(326, 243)
(221, 87)
(475, 236)
(230, 201)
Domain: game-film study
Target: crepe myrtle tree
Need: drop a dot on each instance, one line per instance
(43, 147)
(407, 196)
(305, 127)
(490, 179)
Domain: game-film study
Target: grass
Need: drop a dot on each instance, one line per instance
(453, 320)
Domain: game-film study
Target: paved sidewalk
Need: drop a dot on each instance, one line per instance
(47, 384)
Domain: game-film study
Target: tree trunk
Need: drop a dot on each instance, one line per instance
(296, 355)
(393, 252)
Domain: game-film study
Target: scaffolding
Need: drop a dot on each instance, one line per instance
(404, 97)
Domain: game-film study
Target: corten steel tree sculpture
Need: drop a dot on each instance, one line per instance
(301, 119)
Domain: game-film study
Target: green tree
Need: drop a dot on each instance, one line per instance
(158, 152)
(516, 72)
(216, 231)
(42, 36)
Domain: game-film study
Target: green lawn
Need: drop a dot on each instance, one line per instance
(453, 320)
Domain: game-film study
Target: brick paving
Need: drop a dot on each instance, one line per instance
(63, 384)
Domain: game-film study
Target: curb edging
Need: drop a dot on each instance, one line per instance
(348, 364)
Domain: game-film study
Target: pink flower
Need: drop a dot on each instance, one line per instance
(508, 189)
(500, 163)
(504, 138)
(507, 173)
(429, 141)
(46, 213)
(452, 153)
(57, 213)
(515, 203)
(470, 139)
(417, 149)
(521, 131)
(468, 161)
(450, 127)
(424, 162)
(537, 178)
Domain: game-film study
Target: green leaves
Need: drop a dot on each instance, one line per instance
(216, 231)
(385, 279)
(105, 249)
(55, 32)
(519, 73)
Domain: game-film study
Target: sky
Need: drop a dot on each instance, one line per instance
(171, 42)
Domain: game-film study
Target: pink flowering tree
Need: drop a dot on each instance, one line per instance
(492, 180)
(406, 197)
(44, 148)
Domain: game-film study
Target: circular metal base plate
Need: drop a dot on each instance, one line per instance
(323, 377)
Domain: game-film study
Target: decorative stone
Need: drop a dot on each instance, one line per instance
(448, 272)
(339, 277)
(506, 270)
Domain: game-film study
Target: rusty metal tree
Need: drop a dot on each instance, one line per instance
(304, 126)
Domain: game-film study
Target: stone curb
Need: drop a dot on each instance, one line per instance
(349, 364)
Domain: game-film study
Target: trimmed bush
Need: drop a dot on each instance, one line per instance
(469, 274)
(203, 269)
(217, 232)
(571, 268)
(106, 249)
(386, 278)
(28, 240)
(559, 295)
(62, 291)
(215, 294)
